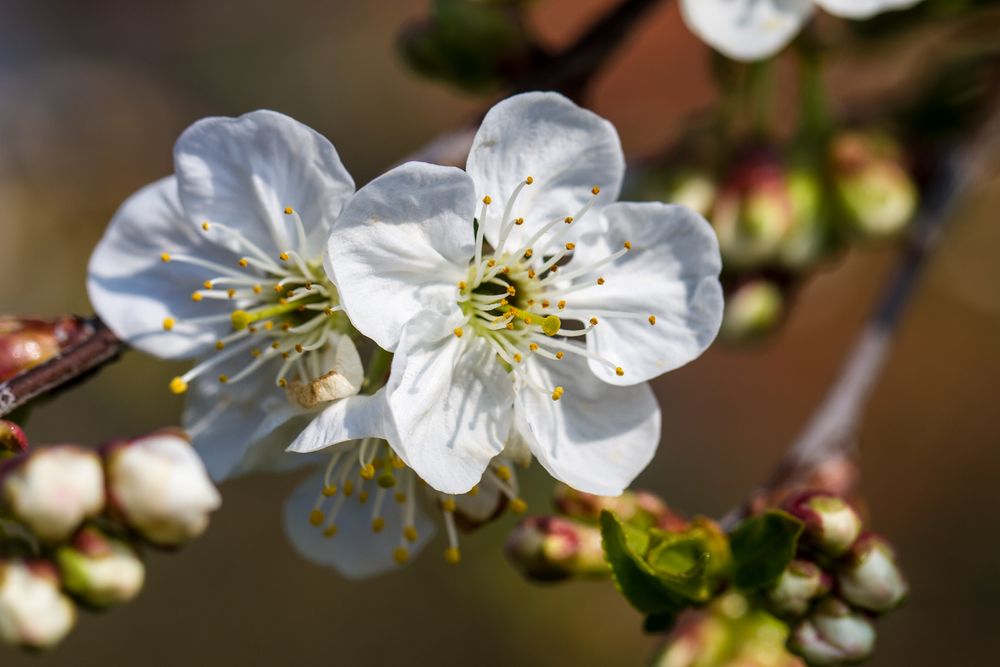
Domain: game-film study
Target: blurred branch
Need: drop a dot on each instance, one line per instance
(94, 347)
(822, 454)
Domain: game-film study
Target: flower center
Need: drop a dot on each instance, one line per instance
(520, 299)
(353, 465)
(283, 308)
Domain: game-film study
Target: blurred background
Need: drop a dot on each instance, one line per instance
(92, 96)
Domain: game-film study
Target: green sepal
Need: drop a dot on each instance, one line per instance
(762, 548)
(659, 623)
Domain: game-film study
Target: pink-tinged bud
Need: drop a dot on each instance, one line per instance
(26, 342)
(12, 439)
(870, 579)
(833, 634)
(34, 613)
(796, 588)
(53, 490)
(694, 189)
(832, 525)
(875, 192)
(553, 548)
(640, 508)
(752, 311)
(100, 570)
(159, 487)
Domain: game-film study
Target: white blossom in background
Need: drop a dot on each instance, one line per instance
(543, 322)
(757, 29)
(160, 487)
(53, 490)
(222, 263)
(34, 613)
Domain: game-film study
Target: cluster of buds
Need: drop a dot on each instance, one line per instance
(777, 217)
(74, 521)
(567, 544)
(841, 578)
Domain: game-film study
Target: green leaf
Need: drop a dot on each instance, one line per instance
(659, 623)
(762, 547)
(624, 548)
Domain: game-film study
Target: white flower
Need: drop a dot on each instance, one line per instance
(366, 512)
(33, 611)
(160, 487)
(758, 29)
(53, 490)
(222, 262)
(551, 330)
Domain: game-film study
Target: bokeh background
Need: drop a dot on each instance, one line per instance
(92, 96)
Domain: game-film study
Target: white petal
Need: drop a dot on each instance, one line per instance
(402, 243)
(567, 150)
(671, 272)
(598, 437)
(355, 551)
(746, 29)
(451, 402)
(134, 291)
(350, 418)
(486, 504)
(243, 172)
(862, 9)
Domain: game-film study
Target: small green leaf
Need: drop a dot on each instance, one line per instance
(763, 546)
(624, 547)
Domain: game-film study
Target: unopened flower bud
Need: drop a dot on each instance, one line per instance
(100, 570)
(26, 342)
(553, 548)
(831, 524)
(159, 487)
(12, 439)
(870, 578)
(752, 311)
(796, 588)
(34, 613)
(833, 634)
(694, 189)
(875, 191)
(807, 240)
(53, 490)
(640, 508)
(753, 213)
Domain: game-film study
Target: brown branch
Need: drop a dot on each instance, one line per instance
(95, 345)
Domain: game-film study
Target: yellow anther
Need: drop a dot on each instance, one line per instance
(561, 305)
(330, 490)
(628, 245)
(378, 523)
(362, 496)
(283, 301)
(207, 284)
(448, 504)
(299, 348)
(397, 462)
(487, 200)
(600, 281)
(283, 257)
(545, 303)
(165, 257)
(474, 491)
(243, 262)
(289, 210)
(278, 289)
(528, 252)
(275, 345)
(458, 332)
(554, 269)
(529, 180)
(652, 320)
(196, 296)
(551, 325)
(595, 190)
(531, 302)
(557, 393)
(505, 270)
(504, 473)
(368, 471)
(410, 533)
(452, 555)
(518, 506)
(330, 531)
(533, 347)
(568, 219)
(178, 385)
(285, 355)
(517, 358)
(560, 354)
(400, 497)
(462, 285)
(593, 321)
(231, 293)
(255, 352)
(527, 318)
(511, 290)
(257, 289)
(286, 326)
(570, 246)
(503, 302)
(510, 326)
(400, 555)
(223, 379)
(348, 487)
(519, 221)
(282, 382)
(491, 263)
(316, 517)
(619, 371)
(168, 323)
(531, 273)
